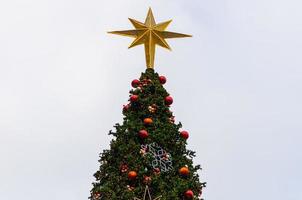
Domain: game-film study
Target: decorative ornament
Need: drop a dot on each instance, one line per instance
(147, 192)
(145, 82)
(161, 159)
(130, 188)
(135, 83)
(152, 108)
(156, 171)
(184, 134)
(189, 194)
(172, 119)
(124, 168)
(162, 79)
(147, 179)
(96, 196)
(168, 100)
(126, 107)
(148, 121)
(143, 151)
(132, 175)
(184, 171)
(150, 34)
(143, 134)
(134, 98)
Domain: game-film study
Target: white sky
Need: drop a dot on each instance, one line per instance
(236, 84)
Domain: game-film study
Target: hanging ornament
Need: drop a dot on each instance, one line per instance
(96, 196)
(156, 171)
(162, 79)
(184, 171)
(152, 108)
(135, 83)
(143, 151)
(148, 121)
(168, 100)
(124, 168)
(126, 107)
(134, 98)
(161, 159)
(143, 134)
(145, 82)
(184, 134)
(189, 194)
(147, 179)
(147, 195)
(132, 175)
(130, 188)
(172, 119)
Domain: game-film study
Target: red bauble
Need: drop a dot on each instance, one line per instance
(189, 194)
(148, 121)
(135, 83)
(134, 98)
(184, 134)
(162, 79)
(132, 175)
(143, 134)
(168, 100)
(184, 171)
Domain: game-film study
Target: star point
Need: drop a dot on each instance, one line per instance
(147, 192)
(149, 34)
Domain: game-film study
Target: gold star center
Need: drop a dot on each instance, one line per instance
(150, 34)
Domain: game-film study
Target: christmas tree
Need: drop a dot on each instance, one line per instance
(148, 159)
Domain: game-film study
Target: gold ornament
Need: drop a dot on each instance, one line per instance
(150, 34)
(149, 195)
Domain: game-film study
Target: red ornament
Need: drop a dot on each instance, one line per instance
(135, 83)
(132, 175)
(168, 100)
(189, 194)
(184, 171)
(134, 98)
(148, 121)
(143, 134)
(184, 134)
(147, 179)
(162, 79)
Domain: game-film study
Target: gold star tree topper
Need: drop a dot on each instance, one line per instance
(150, 34)
(147, 191)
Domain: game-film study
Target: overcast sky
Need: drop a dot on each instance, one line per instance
(236, 86)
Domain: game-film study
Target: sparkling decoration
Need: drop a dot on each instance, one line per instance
(189, 194)
(135, 83)
(132, 175)
(161, 159)
(147, 195)
(150, 34)
(184, 134)
(168, 100)
(162, 79)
